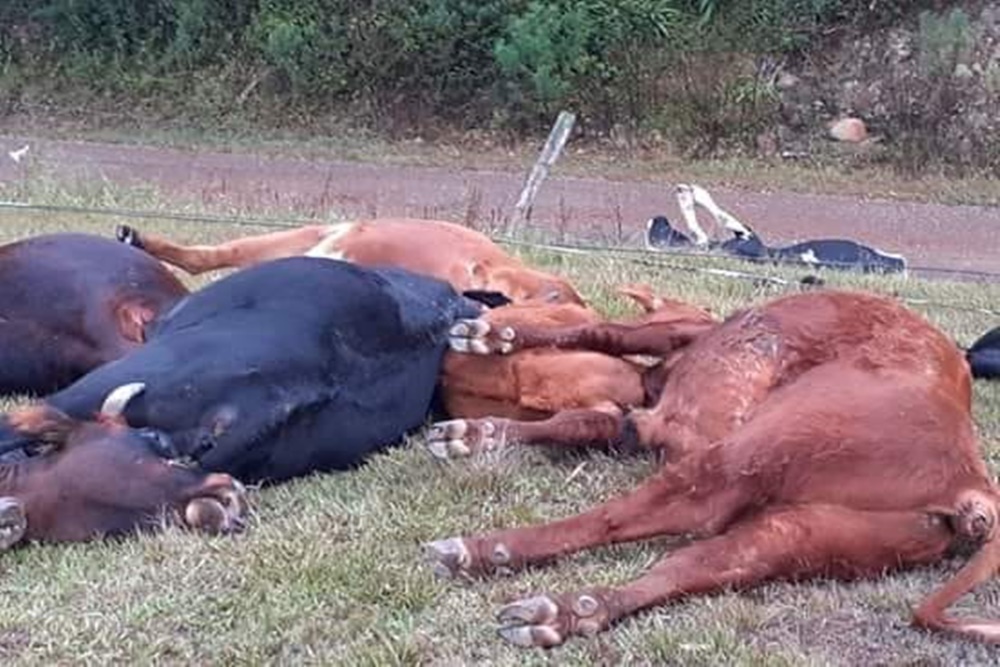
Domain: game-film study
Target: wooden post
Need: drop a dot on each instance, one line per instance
(550, 153)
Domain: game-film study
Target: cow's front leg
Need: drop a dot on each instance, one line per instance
(580, 428)
(13, 522)
(218, 505)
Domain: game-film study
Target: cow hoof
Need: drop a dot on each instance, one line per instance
(128, 235)
(220, 512)
(478, 337)
(449, 559)
(531, 622)
(13, 522)
(545, 621)
(460, 438)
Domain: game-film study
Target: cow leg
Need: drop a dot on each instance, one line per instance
(675, 501)
(615, 339)
(217, 505)
(13, 523)
(786, 543)
(238, 253)
(465, 437)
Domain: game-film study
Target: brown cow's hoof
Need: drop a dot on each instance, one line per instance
(545, 621)
(13, 522)
(128, 235)
(449, 559)
(479, 337)
(464, 437)
(220, 511)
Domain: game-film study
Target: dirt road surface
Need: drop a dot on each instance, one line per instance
(955, 237)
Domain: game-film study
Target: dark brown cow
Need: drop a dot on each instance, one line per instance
(101, 478)
(461, 256)
(71, 302)
(820, 434)
(544, 384)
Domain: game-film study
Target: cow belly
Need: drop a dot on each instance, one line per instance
(364, 415)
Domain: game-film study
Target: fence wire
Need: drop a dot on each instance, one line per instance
(641, 256)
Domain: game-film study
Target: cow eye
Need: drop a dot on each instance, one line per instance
(159, 442)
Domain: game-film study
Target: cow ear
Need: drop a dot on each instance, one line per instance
(44, 423)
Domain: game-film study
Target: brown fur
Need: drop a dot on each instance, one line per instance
(537, 383)
(465, 258)
(821, 434)
(102, 479)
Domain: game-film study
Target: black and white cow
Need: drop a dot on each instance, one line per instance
(747, 244)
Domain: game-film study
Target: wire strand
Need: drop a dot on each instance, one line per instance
(636, 255)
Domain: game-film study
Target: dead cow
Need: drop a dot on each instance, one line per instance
(820, 434)
(543, 384)
(102, 478)
(461, 256)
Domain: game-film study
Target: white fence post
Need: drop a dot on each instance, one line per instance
(550, 153)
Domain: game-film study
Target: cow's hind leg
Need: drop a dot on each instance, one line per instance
(13, 522)
(790, 543)
(673, 501)
(238, 253)
(615, 339)
(569, 428)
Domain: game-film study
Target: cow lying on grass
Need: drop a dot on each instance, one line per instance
(463, 257)
(71, 302)
(290, 367)
(100, 478)
(543, 384)
(820, 434)
(747, 244)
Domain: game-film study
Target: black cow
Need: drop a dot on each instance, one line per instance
(984, 356)
(285, 368)
(71, 302)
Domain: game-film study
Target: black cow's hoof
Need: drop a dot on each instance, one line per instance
(13, 522)
(128, 236)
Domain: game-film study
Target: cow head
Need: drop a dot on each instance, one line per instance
(101, 477)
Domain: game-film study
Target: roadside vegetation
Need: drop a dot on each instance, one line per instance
(685, 78)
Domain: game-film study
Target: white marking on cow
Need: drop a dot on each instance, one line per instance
(329, 248)
(722, 218)
(809, 257)
(685, 200)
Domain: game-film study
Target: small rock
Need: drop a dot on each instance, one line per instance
(849, 129)
(962, 71)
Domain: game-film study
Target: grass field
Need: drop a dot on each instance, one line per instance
(330, 572)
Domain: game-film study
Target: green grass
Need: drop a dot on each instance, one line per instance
(330, 572)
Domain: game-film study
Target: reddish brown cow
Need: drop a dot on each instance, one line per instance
(102, 478)
(820, 434)
(461, 256)
(551, 384)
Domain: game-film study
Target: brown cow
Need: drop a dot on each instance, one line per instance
(461, 256)
(102, 478)
(71, 302)
(820, 434)
(545, 384)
